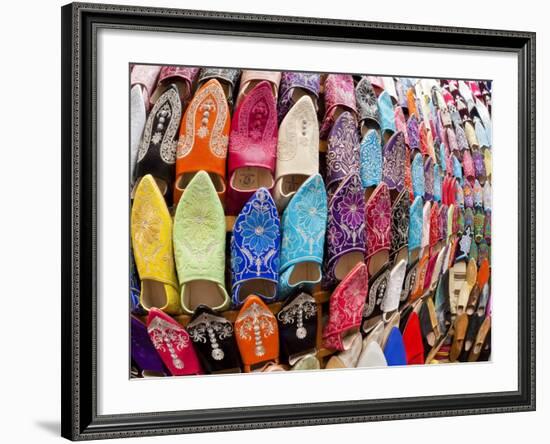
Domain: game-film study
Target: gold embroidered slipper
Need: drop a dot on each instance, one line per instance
(199, 246)
(151, 233)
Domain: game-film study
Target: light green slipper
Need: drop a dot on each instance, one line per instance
(199, 246)
(308, 362)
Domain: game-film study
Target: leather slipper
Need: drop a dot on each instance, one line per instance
(459, 334)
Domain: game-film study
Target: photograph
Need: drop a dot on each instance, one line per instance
(284, 220)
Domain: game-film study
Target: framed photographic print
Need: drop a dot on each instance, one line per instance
(277, 221)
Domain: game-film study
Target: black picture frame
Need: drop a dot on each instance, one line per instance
(80, 23)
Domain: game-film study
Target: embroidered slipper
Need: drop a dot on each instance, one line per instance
(478, 194)
(412, 341)
(173, 344)
(257, 334)
(394, 350)
(309, 362)
(370, 159)
(443, 210)
(468, 167)
(407, 181)
(346, 309)
(378, 285)
(143, 353)
(435, 235)
(468, 195)
(400, 227)
(298, 327)
(443, 303)
(347, 358)
(294, 86)
(389, 87)
(457, 278)
(199, 246)
(343, 157)
(393, 168)
(415, 228)
(180, 76)
(481, 341)
(145, 77)
(252, 146)
(400, 123)
(151, 233)
(479, 166)
(413, 133)
(251, 79)
(214, 340)
(339, 97)
(471, 137)
(387, 116)
(157, 151)
(297, 150)
(425, 241)
(417, 175)
(346, 232)
(479, 224)
(367, 105)
(466, 288)
(481, 134)
(378, 228)
(483, 273)
(228, 79)
(203, 139)
(438, 178)
(303, 237)
(459, 334)
(138, 117)
(255, 249)
(392, 296)
(417, 291)
(457, 170)
(411, 103)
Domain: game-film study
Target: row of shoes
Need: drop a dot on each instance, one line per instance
(404, 200)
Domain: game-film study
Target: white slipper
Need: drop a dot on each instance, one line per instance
(390, 303)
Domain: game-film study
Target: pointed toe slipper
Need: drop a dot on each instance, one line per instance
(412, 340)
(417, 175)
(378, 228)
(466, 288)
(199, 246)
(343, 156)
(297, 150)
(156, 154)
(203, 139)
(394, 350)
(339, 97)
(151, 233)
(372, 356)
(345, 231)
(392, 297)
(415, 228)
(367, 104)
(250, 79)
(181, 76)
(393, 168)
(252, 146)
(255, 246)
(145, 77)
(173, 344)
(387, 115)
(371, 159)
(429, 179)
(257, 333)
(481, 340)
(214, 341)
(413, 133)
(138, 117)
(346, 309)
(400, 213)
(143, 353)
(294, 86)
(303, 237)
(298, 327)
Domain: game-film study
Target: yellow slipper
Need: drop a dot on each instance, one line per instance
(151, 233)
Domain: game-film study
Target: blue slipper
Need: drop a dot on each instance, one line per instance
(255, 249)
(417, 175)
(371, 159)
(304, 223)
(394, 350)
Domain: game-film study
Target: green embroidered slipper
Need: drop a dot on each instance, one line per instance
(199, 246)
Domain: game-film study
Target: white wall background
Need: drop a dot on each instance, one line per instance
(30, 219)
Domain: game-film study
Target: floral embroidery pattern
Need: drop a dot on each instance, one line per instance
(343, 149)
(255, 242)
(344, 237)
(367, 104)
(393, 169)
(346, 307)
(257, 323)
(400, 222)
(371, 159)
(385, 108)
(434, 224)
(415, 224)
(429, 179)
(161, 127)
(302, 307)
(291, 80)
(207, 328)
(170, 338)
(378, 218)
(417, 174)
